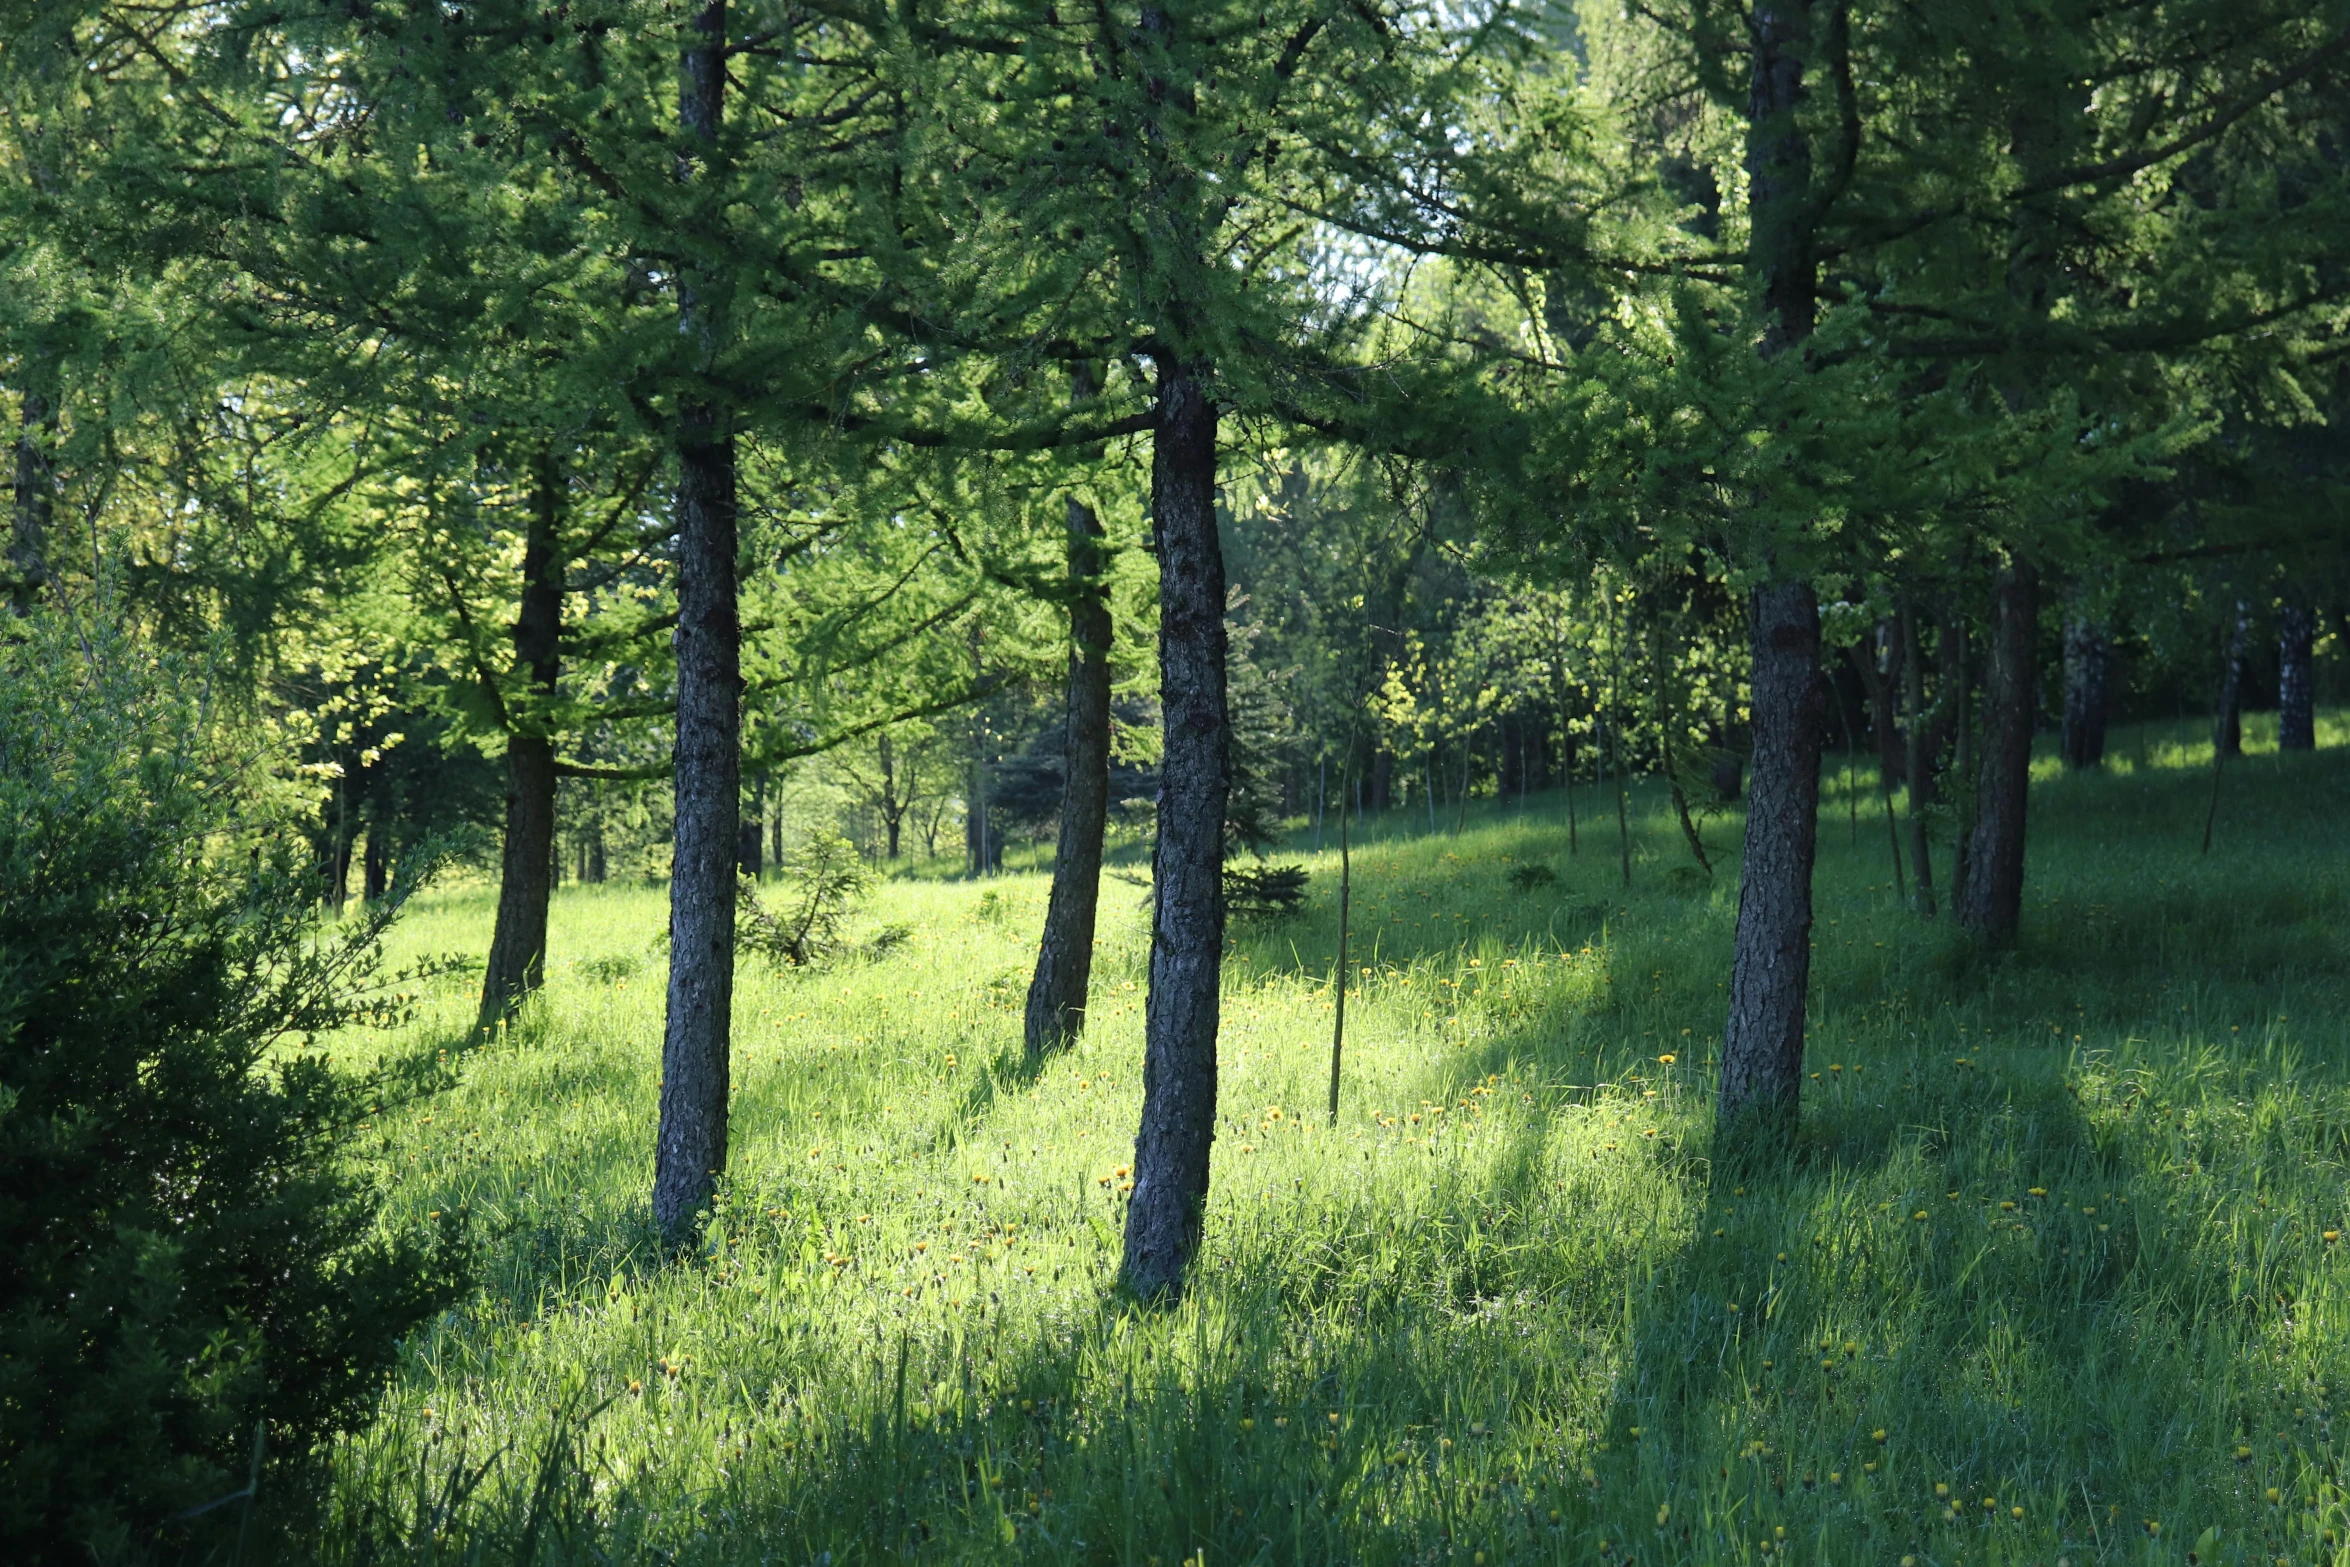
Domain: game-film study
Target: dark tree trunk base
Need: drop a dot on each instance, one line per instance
(2088, 662)
(518, 947)
(1995, 860)
(2227, 728)
(1164, 1215)
(518, 950)
(1917, 761)
(1762, 1048)
(2296, 679)
(695, 1070)
(1064, 963)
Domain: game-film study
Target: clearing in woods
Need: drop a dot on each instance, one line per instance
(2053, 1271)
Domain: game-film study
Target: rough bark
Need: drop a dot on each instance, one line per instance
(1187, 927)
(2296, 679)
(518, 945)
(1917, 763)
(1770, 974)
(35, 499)
(2088, 665)
(691, 1148)
(695, 1062)
(2227, 727)
(1064, 963)
(1995, 860)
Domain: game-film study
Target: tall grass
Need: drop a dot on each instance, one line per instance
(2052, 1272)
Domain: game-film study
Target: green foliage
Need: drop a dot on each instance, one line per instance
(826, 880)
(1531, 877)
(1263, 892)
(190, 1249)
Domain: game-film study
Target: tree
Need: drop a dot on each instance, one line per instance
(1064, 960)
(196, 1260)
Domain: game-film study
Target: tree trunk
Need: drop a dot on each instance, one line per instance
(1962, 760)
(375, 875)
(751, 832)
(35, 498)
(2088, 662)
(1615, 767)
(691, 1150)
(1770, 973)
(2296, 683)
(2227, 729)
(1187, 927)
(1342, 977)
(889, 802)
(518, 946)
(343, 835)
(1567, 776)
(1878, 663)
(1995, 861)
(1064, 964)
(1916, 763)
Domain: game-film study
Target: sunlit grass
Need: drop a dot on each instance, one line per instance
(2054, 1270)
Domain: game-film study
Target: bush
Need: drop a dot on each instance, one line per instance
(1264, 892)
(826, 881)
(187, 1253)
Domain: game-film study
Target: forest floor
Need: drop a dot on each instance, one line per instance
(2051, 1274)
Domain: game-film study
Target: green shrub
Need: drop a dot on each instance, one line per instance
(187, 1252)
(825, 881)
(1531, 877)
(1264, 892)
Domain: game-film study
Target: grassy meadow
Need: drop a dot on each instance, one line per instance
(2051, 1277)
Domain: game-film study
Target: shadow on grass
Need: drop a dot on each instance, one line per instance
(1542, 1354)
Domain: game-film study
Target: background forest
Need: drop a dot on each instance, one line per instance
(1322, 780)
